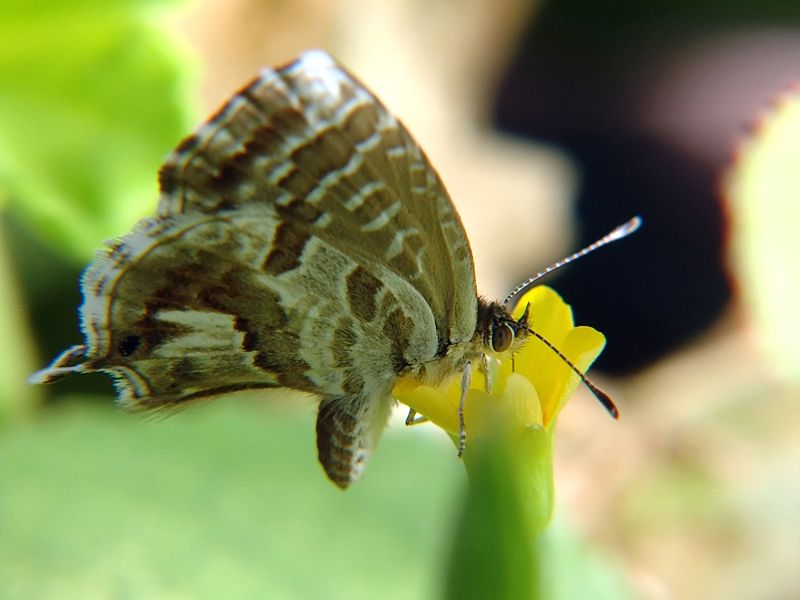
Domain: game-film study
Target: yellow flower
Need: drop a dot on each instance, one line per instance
(529, 388)
(509, 431)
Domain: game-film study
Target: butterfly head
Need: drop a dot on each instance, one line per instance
(498, 329)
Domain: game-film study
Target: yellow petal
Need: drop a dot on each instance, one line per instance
(581, 346)
(516, 408)
(440, 408)
(551, 317)
(549, 314)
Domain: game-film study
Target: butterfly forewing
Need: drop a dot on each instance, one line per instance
(311, 141)
(302, 240)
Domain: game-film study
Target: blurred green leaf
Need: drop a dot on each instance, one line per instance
(225, 500)
(93, 97)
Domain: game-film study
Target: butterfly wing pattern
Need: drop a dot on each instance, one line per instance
(302, 240)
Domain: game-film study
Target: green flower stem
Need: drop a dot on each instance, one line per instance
(509, 503)
(492, 555)
(16, 350)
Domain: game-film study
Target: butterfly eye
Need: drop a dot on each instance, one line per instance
(502, 336)
(129, 345)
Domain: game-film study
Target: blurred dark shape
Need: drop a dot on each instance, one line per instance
(666, 283)
(649, 99)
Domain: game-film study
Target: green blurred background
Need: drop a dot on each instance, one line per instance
(694, 494)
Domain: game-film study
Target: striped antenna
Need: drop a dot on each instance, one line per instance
(618, 233)
(601, 396)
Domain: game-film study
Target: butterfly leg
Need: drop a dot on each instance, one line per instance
(466, 379)
(414, 419)
(347, 431)
(485, 362)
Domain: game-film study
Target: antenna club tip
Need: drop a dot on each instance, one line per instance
(632, 225)
(624, 230)
(606, 401)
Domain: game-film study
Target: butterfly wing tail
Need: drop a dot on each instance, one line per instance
(62, 366)
(347, 431)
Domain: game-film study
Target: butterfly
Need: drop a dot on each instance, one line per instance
(302, 240)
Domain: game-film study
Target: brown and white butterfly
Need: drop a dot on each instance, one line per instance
(302, 240)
